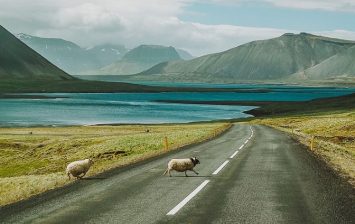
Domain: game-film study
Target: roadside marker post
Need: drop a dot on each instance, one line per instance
(214, 133)
(166, 143)
(312, 142)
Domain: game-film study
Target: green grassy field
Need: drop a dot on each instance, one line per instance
(333, 132)
(33, 160)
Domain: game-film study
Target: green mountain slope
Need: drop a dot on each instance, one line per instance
(72, 58)
(140, 59)
(18, 61)
(273, 59)
(184, 54)
(341, 65)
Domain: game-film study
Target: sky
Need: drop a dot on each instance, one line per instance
(198, 26)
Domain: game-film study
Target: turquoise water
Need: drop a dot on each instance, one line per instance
(87, 109)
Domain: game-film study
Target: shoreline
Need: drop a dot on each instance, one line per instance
(88, 86)
(28, 96)
(263, 109)
(132, 124)
(315, 83)
(269, 108)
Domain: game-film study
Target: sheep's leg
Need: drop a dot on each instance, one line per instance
(194, 171)
(185, 174)
(68, 175)
(169, 173)
(81, 176)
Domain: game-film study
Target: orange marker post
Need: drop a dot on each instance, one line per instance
(166, 143)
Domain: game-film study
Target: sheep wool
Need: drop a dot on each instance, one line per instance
(79, 168)
(182, 165)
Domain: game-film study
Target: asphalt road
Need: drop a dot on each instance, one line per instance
(271, 179)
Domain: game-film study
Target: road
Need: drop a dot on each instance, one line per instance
(248, 175)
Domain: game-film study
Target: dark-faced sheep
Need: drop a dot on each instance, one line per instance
(182, 165)
(79, 168)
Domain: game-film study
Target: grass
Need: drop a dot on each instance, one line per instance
(319, 106)
(33, 160)
(333, 132)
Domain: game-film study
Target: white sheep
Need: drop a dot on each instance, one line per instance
(79, 168)
(182, 165)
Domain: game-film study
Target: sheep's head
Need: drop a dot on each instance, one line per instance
(195, 160)
(91, 161)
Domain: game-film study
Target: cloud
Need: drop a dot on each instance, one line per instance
(342, 34)
(87, 16)
(133, 22)
(327, 5)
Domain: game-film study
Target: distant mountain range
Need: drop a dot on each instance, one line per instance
(23, 70)
(72, 58)
(102, 59)
(140, 59)
(286, 58)
(19, 62)
(289, 58)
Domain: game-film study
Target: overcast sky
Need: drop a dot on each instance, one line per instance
(199, 26)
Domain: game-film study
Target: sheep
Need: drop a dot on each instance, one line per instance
(182, 165)
(79, 168)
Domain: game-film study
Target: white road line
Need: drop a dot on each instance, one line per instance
(188, 198)
(220, 167)
(204, 183)
(235, 153)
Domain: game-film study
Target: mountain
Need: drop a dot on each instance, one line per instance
(184, 54)
(18, 61)
(340, 65)
(23, 70)
(272, 59)
(107, 53)
(71, 57)
(140, 59)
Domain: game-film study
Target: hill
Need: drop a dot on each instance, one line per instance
(71, 57)
(264, 60)
(18, 61)
(340, 65)
(140, 59)
(185, 55)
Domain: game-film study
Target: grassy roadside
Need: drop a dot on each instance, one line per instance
(33, 159)
(333, 132)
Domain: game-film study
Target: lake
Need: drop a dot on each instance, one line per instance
(88, 109)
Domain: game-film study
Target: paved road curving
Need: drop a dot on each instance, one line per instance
(248, 175)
